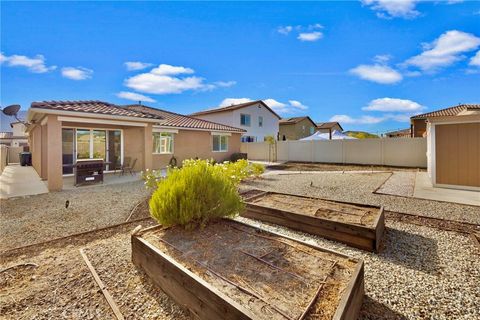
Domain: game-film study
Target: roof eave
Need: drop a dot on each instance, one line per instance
(34, 110)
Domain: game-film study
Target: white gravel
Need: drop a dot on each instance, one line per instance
(34, 219)
(358, 188)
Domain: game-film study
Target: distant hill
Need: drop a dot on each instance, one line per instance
(361, 134)
(6, 120)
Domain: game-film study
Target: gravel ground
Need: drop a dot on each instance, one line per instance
(43, 217)
(309, 166)
(421, 273)
(358, 188)
(400, 183)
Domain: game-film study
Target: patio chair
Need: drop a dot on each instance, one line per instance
(127, 166)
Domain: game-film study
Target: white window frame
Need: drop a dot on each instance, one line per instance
(122, 149)
(249, 119)
(260, 121)
(220, 142)
(160, 133)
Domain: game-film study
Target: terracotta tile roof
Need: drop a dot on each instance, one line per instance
(234, 107)
(452, 111)
(295, 120)
(176, 120)
(328, 125)
(90, 106)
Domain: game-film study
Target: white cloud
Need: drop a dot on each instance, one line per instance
(137, 65)
(393, 105)
(310, 36)
(315, 26)
(165, 79)
(285, 30)
(168, 70)
(231, 101)
(377, 73)
(35, 64)
(284, 108)
(382, 58)
(444, 51)
(293, 106)
(393, 8)
(343, 118)
(475, 60)
(225, 84)
(297, 104)
(78, 73)
(134, 96)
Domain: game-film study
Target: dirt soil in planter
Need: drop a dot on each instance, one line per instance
(330, 210)
(284, 273)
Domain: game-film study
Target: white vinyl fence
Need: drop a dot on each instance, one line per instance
(402, 152)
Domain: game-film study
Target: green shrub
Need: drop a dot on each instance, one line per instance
(152, 178)
(195, 194)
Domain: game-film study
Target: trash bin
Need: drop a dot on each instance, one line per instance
(25, 159)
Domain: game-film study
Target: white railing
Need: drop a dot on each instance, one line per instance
(403, 152)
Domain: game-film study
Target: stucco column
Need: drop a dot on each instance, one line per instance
(148, 139)
(54, 154)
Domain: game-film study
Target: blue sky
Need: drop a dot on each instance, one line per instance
(370, 64)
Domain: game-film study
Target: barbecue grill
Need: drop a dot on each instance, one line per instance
(89, 171)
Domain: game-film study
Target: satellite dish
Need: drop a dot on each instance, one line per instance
(11, 110)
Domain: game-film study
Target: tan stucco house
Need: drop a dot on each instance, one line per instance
(453, 146)
(60, 132)
(296, 128)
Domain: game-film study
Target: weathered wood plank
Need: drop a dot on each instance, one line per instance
(205, 301)
(183, 286)
(359, 236)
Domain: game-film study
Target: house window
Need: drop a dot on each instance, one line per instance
(312, 130)
(260, 121)
(162, 142)
(249, 138)
(220, 143)
(245, 120)
(303, 129)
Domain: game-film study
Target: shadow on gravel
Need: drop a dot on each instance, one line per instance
(411, 250)
(372, 309)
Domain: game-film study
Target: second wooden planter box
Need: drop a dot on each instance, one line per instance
(230, 270)
(360, 226)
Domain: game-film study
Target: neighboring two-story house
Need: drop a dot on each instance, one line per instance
(258, 119)
(296, 128)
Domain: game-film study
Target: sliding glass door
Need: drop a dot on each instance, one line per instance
(91, 144)
(114, 149)
(68, 150)
(83, 144)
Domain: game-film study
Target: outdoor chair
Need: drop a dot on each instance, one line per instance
(127, 166)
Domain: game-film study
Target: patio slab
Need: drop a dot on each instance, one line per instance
(108, 179)
(18, 181)
(425, 190)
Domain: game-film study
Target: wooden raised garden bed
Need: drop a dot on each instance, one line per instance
(358, 225)
(230, 270)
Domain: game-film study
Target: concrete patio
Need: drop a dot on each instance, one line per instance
(425, 190)
(18, 181)
(108, 179)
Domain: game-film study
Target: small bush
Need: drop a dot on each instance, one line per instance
(152, 178)
(195, 194)
(237, 156)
